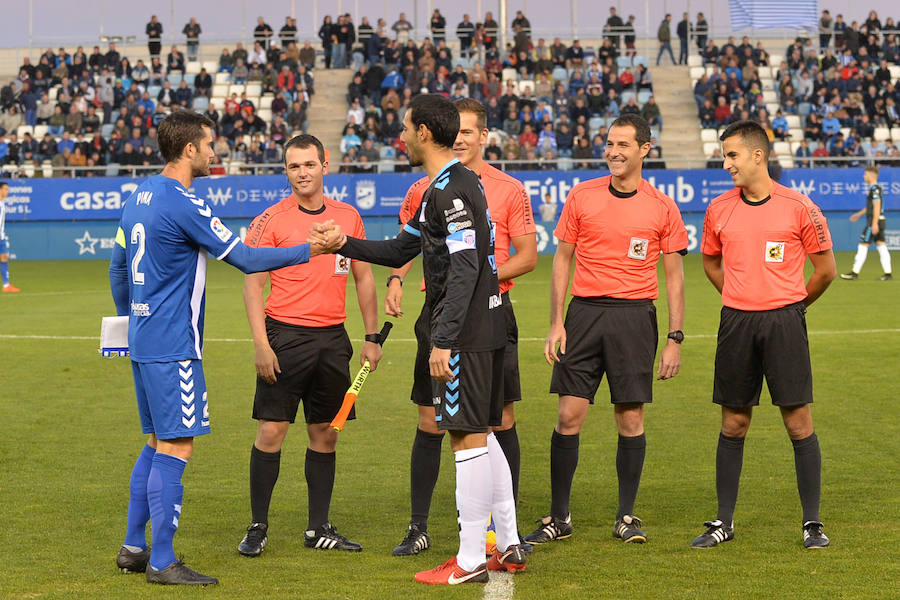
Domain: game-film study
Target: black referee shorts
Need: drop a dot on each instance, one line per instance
(421, 389)
(315, 368)
(612, 336)
(867, 237)
(512, 389)
(770, 343)
(473, 401)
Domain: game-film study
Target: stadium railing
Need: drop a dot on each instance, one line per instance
(389, 166)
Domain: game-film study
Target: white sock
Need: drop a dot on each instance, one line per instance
(473, 503)
(885, 257)
(503, 505)
(859, 260)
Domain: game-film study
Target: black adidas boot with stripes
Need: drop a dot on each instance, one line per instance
(416, 541)
(717, 533)
(326, 537)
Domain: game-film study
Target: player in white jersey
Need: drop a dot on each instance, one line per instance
(4, 243)
(158, 278)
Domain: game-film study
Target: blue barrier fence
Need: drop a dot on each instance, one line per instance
(76, 218)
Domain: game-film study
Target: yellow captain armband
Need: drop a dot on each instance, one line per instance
(120, 237)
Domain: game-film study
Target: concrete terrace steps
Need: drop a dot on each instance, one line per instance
(680, 136)
(327, 111)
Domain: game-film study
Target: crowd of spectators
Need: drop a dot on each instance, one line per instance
(544, 101)
(99, 109)
(842, 90)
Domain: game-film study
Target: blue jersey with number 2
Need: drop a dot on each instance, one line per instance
(167, 233)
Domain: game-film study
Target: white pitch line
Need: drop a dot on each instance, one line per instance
(500, 586)
(10, 336)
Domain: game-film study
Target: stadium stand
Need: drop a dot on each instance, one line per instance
(823, 99)
(831, 103)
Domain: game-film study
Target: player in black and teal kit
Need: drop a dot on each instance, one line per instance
(158, 279)
(452, 229)
(874, 231)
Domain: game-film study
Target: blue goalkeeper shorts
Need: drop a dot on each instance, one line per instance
(4, 246)
(171, 398)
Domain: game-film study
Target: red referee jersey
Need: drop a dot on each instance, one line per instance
(311, 294)
(764, 246)
(618, 239)
(507, 201)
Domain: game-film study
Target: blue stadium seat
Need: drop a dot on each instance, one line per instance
(190, 79)
(804, 109)
(112, 169)
(106, 130)
(201, 103)
(385, 166)
(640, 60)
(560, 74)
(623, 98)
(643, 96)
(174, 78)
(387, 152)
(564, 164)
(153, 90)
(596, 123)
(623, 61)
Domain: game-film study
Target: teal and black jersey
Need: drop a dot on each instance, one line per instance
(453, 231)
(875, 194)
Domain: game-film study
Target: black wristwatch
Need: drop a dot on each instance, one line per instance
(678, 336)
(374, 337)
(397, 277)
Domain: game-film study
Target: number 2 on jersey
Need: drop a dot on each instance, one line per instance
(139, 237)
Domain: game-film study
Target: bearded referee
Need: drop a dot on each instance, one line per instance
(756, 239)
(513, 221)
(453, 231)
(302, 348)
(615, 227)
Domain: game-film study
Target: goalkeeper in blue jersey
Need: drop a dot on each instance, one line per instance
(158, 279)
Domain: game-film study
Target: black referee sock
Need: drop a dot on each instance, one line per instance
(563, 461)
(509, 441)
(629, 464)
(729, 461)
(319, 484)
(424, 468)
(808, 462)
(264, 468)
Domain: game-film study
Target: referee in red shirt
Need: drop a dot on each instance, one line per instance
(756, 238)
(302, 348)
(615, 227)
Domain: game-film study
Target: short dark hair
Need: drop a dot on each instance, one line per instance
(179, 129)
(438, 114)
(639, 123)
(471, 105)
(3, 184)
(752, 134)
(304, 140)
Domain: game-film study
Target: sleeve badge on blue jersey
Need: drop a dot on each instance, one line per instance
(218, 228)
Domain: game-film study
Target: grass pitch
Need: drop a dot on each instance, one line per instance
(70, 436)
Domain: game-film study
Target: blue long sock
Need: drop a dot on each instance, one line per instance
(164, 493)
(4, 272)
(138, 507)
